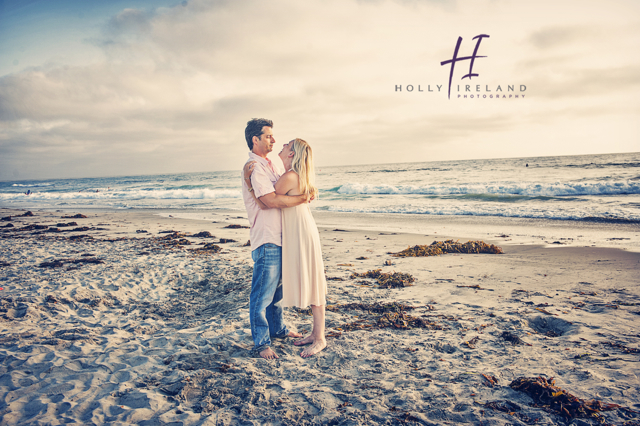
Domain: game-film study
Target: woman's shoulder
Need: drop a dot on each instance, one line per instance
(287, 182)
(290, 175)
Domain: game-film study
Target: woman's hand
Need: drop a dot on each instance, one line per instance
(248, 169)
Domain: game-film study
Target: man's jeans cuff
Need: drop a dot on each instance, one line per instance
(255, 352)
(284, 335)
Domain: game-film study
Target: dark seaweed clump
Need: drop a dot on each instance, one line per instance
(76, 216)
(513, 339)
(203, 234)
(378, 315)
(378, 308)
(174, 239)
(552, 398)
(398, 320)
(387, 280)
(385, 315)
(449, 246)
(208, 248)
(57, 263)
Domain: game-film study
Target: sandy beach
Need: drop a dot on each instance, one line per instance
(140, 317)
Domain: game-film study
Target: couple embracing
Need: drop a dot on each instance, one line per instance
(285, 245)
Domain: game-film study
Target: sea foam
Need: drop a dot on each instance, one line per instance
(522, 189)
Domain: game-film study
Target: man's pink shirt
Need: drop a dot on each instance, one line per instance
(266, 225)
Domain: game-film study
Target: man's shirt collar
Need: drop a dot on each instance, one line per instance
(256, 157)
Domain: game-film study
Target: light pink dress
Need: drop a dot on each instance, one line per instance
(303, 278)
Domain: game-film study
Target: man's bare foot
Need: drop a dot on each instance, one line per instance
(317, 346)
(268, 354)
(305, 341)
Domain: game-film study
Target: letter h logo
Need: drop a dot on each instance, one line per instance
(464, 58)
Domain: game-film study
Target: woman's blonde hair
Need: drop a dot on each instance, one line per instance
(302, 164)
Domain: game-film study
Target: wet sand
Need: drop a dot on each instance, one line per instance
(103, 323)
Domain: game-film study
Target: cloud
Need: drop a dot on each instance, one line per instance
(562, 36)
(175, 86)
(572, 83)
(129, 21)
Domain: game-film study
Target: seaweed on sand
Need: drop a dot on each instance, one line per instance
(471, 344)
(380, 315)
(554, 399)
(623, 348)
(172, 236)
(391, 316)
(491, 381)
(437, 248)
(398, 320)
(174, 239)
(513, 339)
(57, 263)
(208, 248)
(387, 280)
(203, 234)
(32, 227)
(378, 308)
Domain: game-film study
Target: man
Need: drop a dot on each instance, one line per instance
(265, 312)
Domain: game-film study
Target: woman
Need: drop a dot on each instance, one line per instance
(303, 280)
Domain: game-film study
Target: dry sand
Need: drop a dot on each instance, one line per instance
(126, 328)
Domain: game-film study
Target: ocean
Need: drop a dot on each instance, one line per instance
(596, 188)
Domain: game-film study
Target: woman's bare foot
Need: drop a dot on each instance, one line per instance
(307, 340)
(268, 354)
(317, 346)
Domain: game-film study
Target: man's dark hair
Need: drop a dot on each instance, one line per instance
(254, 128)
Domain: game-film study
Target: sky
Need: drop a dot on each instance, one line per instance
(130, 87)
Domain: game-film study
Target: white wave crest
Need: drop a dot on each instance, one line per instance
(156, 194)
(488, 210)
(32, 185)
(523, 189)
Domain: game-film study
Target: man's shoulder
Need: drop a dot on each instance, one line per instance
(256, 160)
(260, 169)
(257, 167)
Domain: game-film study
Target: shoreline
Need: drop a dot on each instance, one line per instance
(140, 326)
(495, 229)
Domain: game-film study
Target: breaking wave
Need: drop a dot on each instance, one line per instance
(515, 189)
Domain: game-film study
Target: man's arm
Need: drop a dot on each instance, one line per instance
(257, 200)
(248, 170)
(270, 200)
(275, 201)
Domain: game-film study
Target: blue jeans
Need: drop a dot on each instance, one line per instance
(265, 310)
